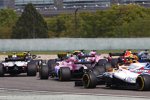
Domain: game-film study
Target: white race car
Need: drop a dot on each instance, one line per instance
(18, 64)
(134, 76)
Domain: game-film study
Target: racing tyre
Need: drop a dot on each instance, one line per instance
(31, 68)
(98, 70)
(89, 80)
(143, 82)
(64, 74)
(1, 70)
(114, 62)
(51, 64)
(44, 72)
(102, 62)
(37, 63)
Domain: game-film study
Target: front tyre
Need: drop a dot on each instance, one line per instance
(64, 74)
(102, 62)
(143, 82)
(89, 80)
(44, 72)
(31, 69)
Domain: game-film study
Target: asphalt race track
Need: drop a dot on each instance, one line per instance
(22, 82)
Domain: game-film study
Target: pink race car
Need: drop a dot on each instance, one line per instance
(72, 67)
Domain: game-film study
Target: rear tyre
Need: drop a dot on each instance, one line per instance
(100, 67)
(89, 80)
(64, 74)
(1, 70)
(98, 70)
(44, 72)
(114, 62)
(31, 69)
(102, 62)
(51, 64)
(143, 82)
(38, 64)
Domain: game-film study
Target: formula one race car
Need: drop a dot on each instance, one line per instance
(127, 57)
(64, 55)
(18, 63)
(135, 76)
(72, 67)
(144, 56)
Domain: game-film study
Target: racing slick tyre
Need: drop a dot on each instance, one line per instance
(114, 62)
(31, 69)
(1, 70)
(102, 62)
(89, 80)
(51, 64)
(98, 70)
(38, 63)
(44, 72)
(143, 82)
(64, 74)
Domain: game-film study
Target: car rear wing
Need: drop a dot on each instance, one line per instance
(119, 54)
(116, 54)
(14, 59)
(85, 56)
(62, 55)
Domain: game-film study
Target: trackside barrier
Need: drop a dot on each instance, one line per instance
(73, 44)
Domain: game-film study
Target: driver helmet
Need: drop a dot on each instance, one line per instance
(14, 55)
(128, 53)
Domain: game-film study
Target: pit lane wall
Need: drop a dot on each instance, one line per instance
(73, 44)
